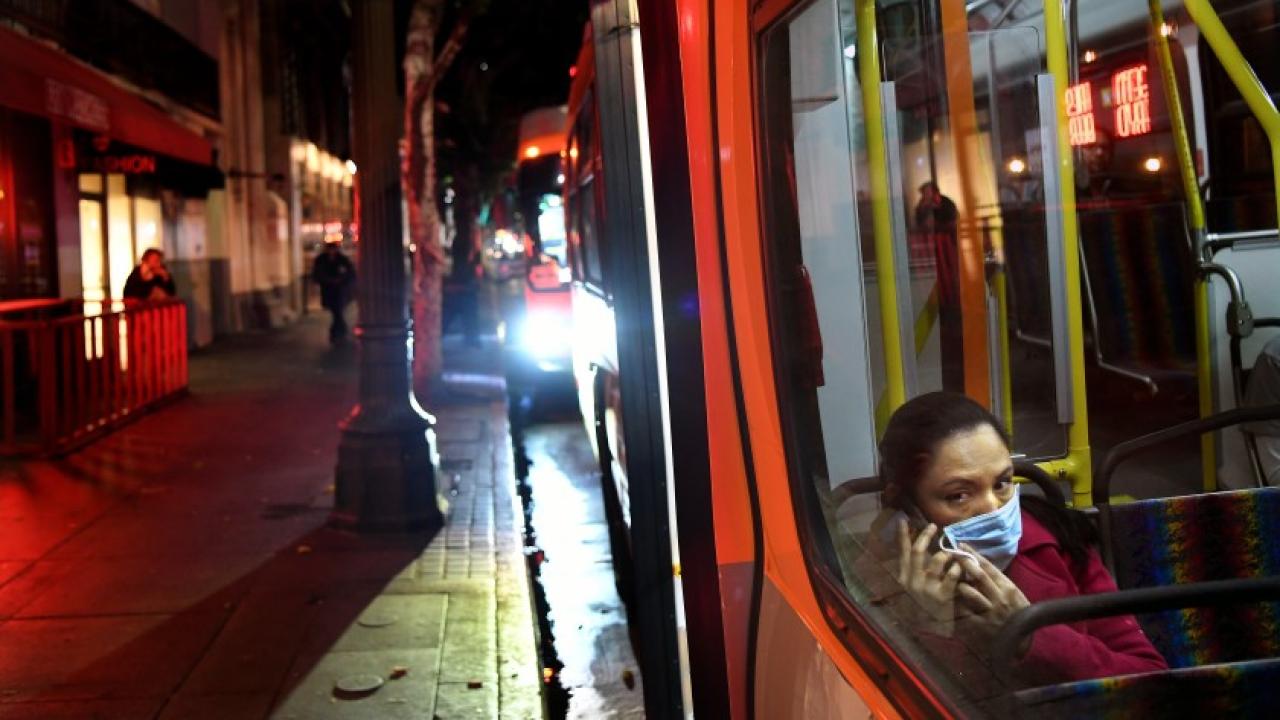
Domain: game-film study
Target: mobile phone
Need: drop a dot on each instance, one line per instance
(917, 522)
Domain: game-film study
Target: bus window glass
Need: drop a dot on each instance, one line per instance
(589, 231)
(973, 198)
(829, 273)
(824, 315)
(1240, 179)
(1137, 267)
(584, 158)
(574, 199)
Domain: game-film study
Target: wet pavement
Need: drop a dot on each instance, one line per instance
(590, 667)
(585, 617)
(182, 567)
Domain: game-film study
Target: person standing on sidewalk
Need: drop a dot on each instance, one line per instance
(336, 275)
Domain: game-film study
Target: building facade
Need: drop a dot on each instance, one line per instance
(187, 138)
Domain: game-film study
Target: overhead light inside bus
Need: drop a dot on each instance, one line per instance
(1152, 164)
(1017, 166)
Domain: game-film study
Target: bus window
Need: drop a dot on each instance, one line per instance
(1240, 184)
(573, 203)
(822, 279)
(583, 165)
(827, 335)
(819, 264)
(589, 232)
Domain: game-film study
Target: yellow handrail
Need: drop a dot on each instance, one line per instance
(881, 210)
(1186, 168)
(1001, 284)
(1077, 465)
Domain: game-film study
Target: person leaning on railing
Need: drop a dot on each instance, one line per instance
(150, 280)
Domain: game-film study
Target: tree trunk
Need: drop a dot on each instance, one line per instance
(423, 68)
(418, 178)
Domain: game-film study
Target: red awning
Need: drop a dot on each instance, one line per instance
(43, 81)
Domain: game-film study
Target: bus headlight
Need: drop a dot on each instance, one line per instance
(546, 335)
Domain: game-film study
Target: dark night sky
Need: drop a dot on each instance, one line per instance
(516, 58)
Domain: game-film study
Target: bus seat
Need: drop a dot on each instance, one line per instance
(1249, 689)
(1142, 277)
(1197, 538)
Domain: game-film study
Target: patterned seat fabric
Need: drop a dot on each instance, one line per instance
(1216, 536)
(1142, 285)
(1248, 689)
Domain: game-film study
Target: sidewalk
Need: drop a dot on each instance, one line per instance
(180, 567)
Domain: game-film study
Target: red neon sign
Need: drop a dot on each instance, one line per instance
(1132, 98)
(1080, 123)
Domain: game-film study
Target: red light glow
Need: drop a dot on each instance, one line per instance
(1080, 122)
(1132, 97)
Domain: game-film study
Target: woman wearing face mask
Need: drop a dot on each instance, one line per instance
(985, 551)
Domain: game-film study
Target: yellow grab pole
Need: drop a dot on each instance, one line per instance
(1006, 370)
(881, 210)
(1181, 141)
(1187, 170)
(1204, 384)
(1078, 463)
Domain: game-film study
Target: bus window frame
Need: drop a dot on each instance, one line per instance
(573, 206)
(911, 684)
(587, 179)
(1223, 103)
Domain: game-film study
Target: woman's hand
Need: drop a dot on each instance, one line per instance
(927, 577)
(988, 592)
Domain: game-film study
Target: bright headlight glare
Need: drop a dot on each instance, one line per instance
(546, 335)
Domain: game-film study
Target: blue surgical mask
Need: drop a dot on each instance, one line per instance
(994, 535)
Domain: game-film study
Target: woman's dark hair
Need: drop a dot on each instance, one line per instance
(912, 438)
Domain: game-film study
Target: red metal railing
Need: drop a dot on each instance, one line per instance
(69, 375)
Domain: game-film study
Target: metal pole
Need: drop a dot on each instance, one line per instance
(1077, 466)
(882, 213)
(1195, 203)
(385, 475)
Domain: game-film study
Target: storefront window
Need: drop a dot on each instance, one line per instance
(92, 265)
(120, 257)
(91, 183)
(147, 225)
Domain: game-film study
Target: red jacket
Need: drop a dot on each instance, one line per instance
(1083, 650)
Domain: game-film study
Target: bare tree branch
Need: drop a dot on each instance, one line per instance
(451, 47)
